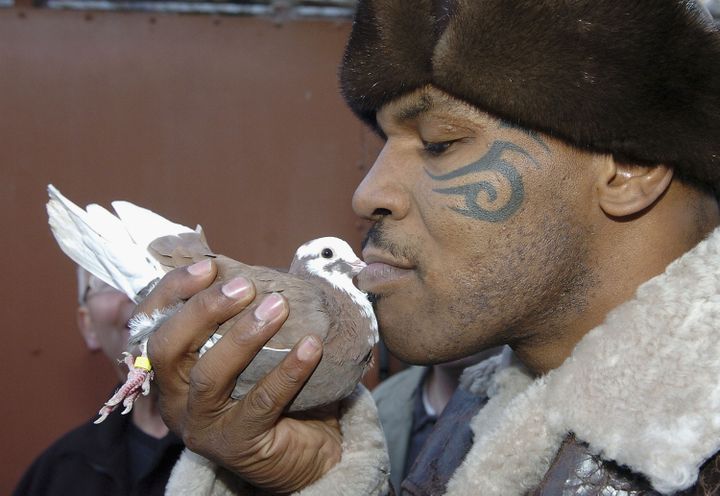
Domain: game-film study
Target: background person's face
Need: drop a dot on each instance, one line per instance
(108, 312)
(485, 221)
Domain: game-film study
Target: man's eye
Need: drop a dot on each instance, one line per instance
(436, 149)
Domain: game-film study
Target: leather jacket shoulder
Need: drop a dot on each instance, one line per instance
(577, 471)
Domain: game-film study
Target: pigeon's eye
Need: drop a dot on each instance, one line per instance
(327, 253)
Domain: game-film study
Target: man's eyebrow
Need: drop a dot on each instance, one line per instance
(415, 109)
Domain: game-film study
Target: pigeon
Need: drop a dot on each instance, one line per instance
(132, 250)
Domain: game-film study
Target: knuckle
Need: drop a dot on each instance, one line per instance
(262, 399)
(290, 375)
(171, 279)
(245, 332)
(201, 383)
(205, 302)
(275, 391)
(191, 440)
(210, 303)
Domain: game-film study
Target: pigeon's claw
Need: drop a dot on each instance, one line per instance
(104, 412)
(146, 383)
(138, 381)
(129, 401)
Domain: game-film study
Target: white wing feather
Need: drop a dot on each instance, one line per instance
(143, 225)
(112, 248)
(63, 228)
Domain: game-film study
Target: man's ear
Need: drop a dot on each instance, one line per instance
(86, 328)
(626, 189)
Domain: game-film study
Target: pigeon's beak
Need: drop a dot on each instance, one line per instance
(357, 266)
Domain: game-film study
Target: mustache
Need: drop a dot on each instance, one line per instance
(373, 236)
(377, 236)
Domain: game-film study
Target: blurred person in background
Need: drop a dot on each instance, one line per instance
(129, 454)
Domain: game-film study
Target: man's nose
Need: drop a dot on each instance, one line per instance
(383, 193)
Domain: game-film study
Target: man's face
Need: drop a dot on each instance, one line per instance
(107, 313)
(480, 234)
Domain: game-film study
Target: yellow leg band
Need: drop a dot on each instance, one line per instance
(143, 362)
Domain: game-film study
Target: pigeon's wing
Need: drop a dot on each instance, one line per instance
(182, 249)
(144, 226)
(112, 248)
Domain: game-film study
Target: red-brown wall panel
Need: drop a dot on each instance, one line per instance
(234, 123)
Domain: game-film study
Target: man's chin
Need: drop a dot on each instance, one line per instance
(396, 341)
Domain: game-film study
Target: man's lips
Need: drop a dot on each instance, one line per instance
(381, 273)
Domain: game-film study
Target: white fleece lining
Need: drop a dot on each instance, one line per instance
(642, 389)
(194, 475)
(512, 404)
(364, 467)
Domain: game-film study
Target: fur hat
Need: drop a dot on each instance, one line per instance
(639, 79)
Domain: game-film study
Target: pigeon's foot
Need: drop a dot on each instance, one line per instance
(138, 382)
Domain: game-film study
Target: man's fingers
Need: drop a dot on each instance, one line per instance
(213, 378)
(200, 316)
(172, 348)
(174, 288)
(179, 285)
(268, 399)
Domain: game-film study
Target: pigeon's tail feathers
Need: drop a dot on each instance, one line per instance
(105, 245)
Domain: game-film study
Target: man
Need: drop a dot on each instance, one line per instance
(548, 182)
(126, 454)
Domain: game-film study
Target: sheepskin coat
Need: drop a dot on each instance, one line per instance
(639, 396)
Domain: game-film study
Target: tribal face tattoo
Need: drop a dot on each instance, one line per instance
(470, 191)
(479, 235)
(492, 161)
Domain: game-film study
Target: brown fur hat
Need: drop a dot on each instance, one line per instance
(636, 78)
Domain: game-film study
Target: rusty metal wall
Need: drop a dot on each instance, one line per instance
(234, 123)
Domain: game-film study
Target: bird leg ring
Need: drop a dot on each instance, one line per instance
(138, 381)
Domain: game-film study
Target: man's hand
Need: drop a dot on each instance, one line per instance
(249, 436)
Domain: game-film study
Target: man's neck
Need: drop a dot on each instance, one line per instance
(440, 385)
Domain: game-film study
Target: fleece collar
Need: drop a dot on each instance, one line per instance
(642, 389)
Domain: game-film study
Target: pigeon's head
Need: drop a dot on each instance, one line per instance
(329, 258)
(332, 259)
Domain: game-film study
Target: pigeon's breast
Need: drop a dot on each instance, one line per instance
(314, 309)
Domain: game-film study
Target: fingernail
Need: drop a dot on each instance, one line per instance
(237, 288)
(200, 268)
(270, 307)
(308, 348)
